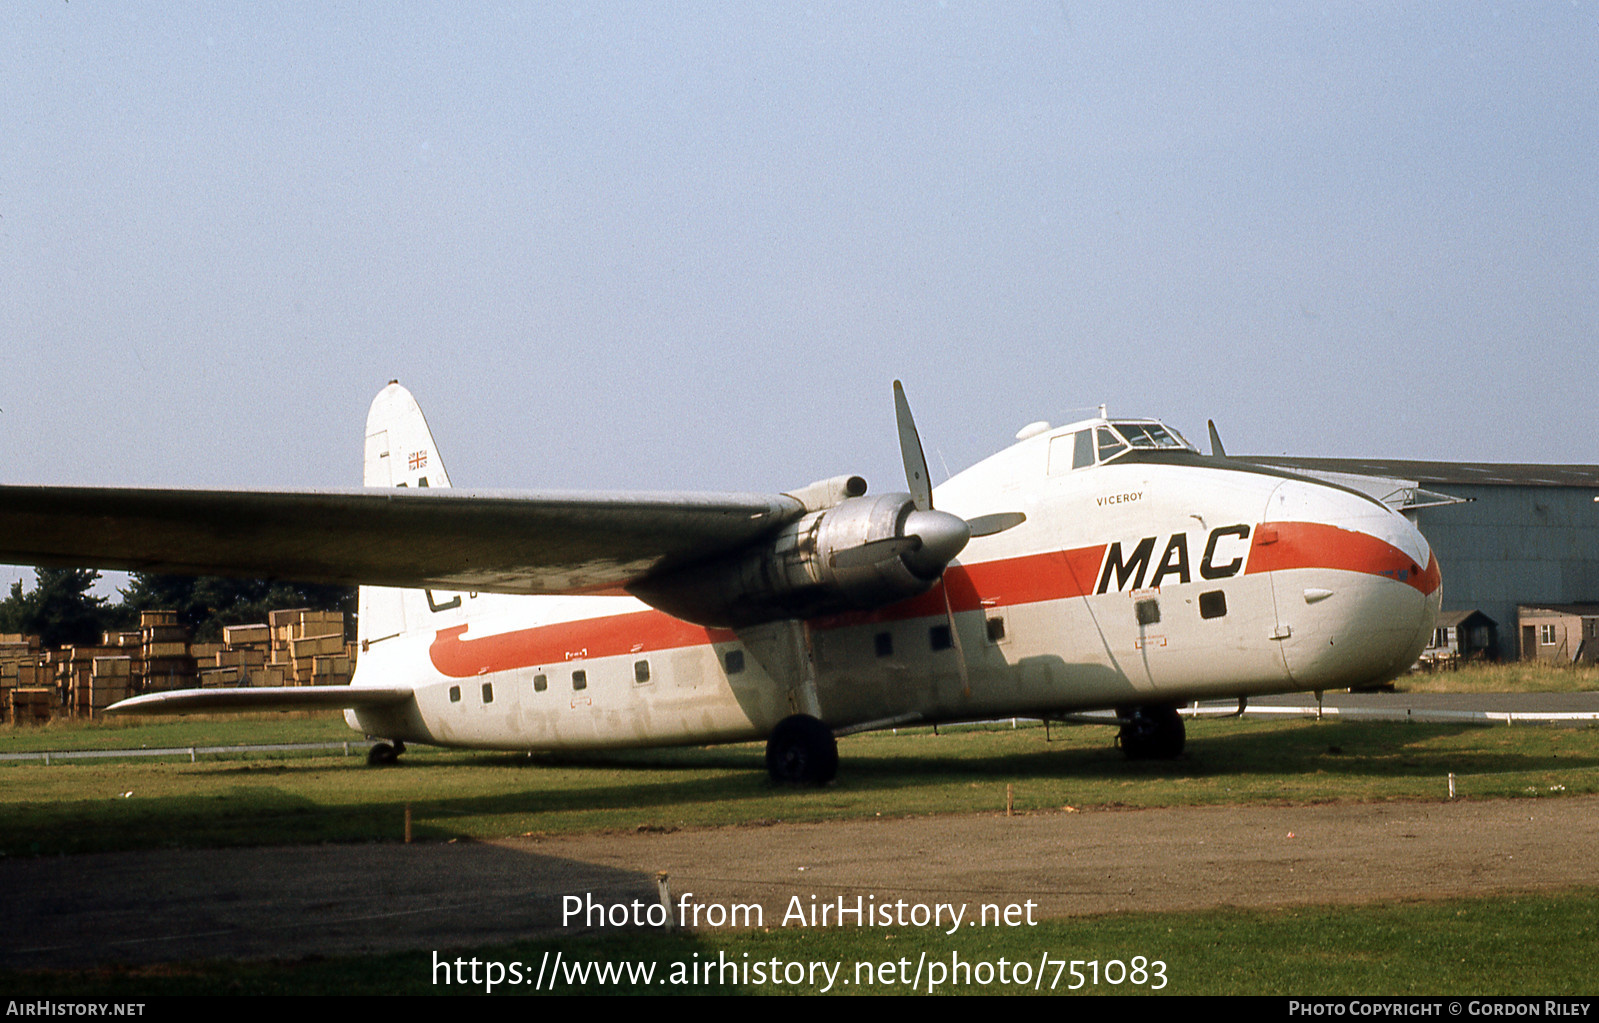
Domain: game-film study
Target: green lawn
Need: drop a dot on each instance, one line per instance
(1513, 945)
(277, 798)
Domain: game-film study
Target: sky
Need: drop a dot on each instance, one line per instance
(652, 246)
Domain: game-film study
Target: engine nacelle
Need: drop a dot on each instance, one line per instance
(862, 553)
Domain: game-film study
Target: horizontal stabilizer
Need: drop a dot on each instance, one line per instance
(197, 701)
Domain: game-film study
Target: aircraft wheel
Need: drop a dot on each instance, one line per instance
(1152, 733)
(802, 751)
(382, 755)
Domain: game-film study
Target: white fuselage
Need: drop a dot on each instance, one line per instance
(1130, 583)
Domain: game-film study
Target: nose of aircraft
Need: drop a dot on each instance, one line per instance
(1356, 586)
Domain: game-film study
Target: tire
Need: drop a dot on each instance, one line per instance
(1152, 733)
(382, 755)
(802, 751)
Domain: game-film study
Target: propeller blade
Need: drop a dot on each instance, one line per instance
(910, 449)
(875, 551)
(988, 525)
(1216, 450)
(955, 640)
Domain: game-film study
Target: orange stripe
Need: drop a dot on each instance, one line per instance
(637, 632)
(1282, 545)
(1056, 575)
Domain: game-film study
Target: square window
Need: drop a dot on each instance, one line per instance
(1546, 635)
(1212, 604)
(455, 694)
(939, 637)
(735, 661)
(580, 680)
(996, 629)
(1148, 612)
(641, 672)
(541, 683)
(884, 642)
(488, 692)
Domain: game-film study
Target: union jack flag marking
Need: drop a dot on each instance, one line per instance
(419, 460)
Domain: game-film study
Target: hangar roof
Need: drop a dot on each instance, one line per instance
(1580, 610)
(1479, 473)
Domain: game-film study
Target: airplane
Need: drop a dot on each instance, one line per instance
(1106, 565)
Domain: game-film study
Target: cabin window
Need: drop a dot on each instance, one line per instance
(455, 694)
(734, 661)
(488, 692)
(1083, 450)
(1071, 451)
(580, 680)
(939, 638)
(541, 683)
(884, 642)
(996, 629)
(1212, 604)
(641, 672)
(1148, 612)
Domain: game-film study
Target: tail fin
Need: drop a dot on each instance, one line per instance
(399, 453)
(399, 447)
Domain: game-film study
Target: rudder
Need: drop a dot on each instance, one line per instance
(400, 452)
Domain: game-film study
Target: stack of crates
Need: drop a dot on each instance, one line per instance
(20, 667)
(241, 659)
(110, 680)
(30, 706)
(74, 675)
(164, 645)
(309, 647)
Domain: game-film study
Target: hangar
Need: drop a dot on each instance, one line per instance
(1522, 535)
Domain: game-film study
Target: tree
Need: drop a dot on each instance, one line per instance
(207, 603)
(59, 608)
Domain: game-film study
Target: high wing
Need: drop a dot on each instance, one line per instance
(493, 542)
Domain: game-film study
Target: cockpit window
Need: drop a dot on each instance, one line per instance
(1148, 435)
(1119, 438)
(1110, 445)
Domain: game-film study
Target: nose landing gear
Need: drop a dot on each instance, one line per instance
(384, 754)
(1151, 733)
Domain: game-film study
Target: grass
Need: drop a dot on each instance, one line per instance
(1506, 677)
(1542, 944)
(194, 730)
(1512, 945)
(270, 798)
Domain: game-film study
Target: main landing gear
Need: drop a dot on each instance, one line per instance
(1151, 733)
(383, 754)
(802, 751)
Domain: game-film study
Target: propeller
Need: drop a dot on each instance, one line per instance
(940, 536)
(929, 539)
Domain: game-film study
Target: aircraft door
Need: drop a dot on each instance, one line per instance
(1279, 625)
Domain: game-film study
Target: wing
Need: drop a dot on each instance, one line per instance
(190, 701)
(441, 539)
